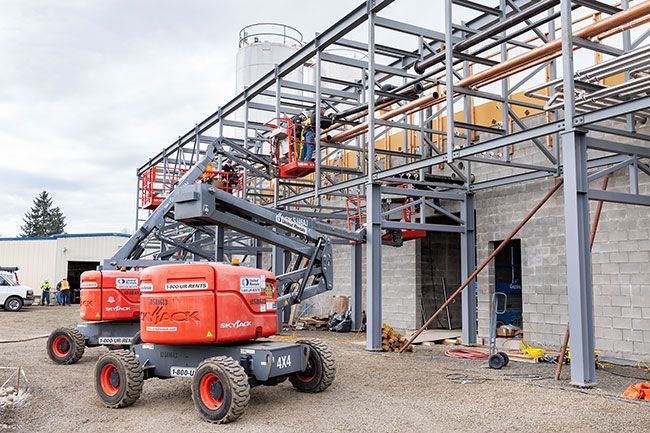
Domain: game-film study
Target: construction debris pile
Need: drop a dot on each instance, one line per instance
(391, 340)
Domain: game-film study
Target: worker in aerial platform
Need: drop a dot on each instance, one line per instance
(310, 133)
(298, 122)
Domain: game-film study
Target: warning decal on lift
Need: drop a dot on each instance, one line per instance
(114, 340)
(88, 284)
(252, 284)
(162, 328)
(182, 371)
(293, 222)
(146, 287)
(189, 285)
(126, 283)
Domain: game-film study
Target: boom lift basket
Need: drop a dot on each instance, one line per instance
(291, 166)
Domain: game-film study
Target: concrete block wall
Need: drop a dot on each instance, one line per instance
(620, 261)
(400, 303)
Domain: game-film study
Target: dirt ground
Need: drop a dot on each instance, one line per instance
(373, 392)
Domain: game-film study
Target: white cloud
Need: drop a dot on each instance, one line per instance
(91, 89)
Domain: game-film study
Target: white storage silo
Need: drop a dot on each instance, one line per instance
(261, 47)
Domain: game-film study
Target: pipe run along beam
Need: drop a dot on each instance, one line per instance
(618, 22)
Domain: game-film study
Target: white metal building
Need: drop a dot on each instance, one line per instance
(55, 257)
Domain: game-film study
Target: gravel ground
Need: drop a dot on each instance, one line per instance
(373, 392)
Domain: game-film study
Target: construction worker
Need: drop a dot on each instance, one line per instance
(310, 132)
(45, 292)
(298, 122)
(230, 176)
(308, 142)
(65, 291)
(58, 293)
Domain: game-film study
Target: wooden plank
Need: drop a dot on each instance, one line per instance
(436, 335)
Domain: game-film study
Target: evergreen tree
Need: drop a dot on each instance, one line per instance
(43, 219)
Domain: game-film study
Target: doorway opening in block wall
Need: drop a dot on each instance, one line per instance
(508, 284)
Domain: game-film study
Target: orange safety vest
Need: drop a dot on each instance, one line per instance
(65, 285)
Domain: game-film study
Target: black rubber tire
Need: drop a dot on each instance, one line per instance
(76, 346)
(505, 357)
(496, 361)
(128, 374)
(13, 304)
(235, 389)
(321, 370)
(137, 339)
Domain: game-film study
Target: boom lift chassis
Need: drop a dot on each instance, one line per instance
(222, 375)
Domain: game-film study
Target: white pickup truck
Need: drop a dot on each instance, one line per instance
(13, 295)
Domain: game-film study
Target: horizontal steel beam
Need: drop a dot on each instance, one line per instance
(611, 146)
(619, 197)
(417, 226)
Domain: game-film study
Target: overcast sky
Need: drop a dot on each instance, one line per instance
(91, 89)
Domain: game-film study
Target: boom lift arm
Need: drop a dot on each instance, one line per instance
(202, 206)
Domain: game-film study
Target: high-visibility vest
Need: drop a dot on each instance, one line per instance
(46, 286)
(65, 285)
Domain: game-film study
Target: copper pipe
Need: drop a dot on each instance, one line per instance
(592, 238)
(624, 27)
(482, 266)
(531, 58)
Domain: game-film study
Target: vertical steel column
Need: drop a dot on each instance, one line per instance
(220, 158)
(576, 214)
(259, 264)
(467, 267)
(137, 201)
(373, 203)
(219, 238)
(631, 127)
(505, 113)
(555, 138)
(317, 104)
(627, 47)
(355, 281)
(449, 78)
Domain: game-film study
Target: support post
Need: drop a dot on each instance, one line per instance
(355, 281)
(449, 79)
(468, 265)
(576, 216)
(578, 259)
(219, 255)
(373, 204)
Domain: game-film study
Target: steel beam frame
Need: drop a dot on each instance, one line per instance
(460, 149)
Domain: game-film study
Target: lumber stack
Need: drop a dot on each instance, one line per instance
(391, 340)
(313, 322)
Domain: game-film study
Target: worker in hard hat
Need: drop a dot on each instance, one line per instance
(45, 292)
(65, 291)
(309, 141)
(298, 130)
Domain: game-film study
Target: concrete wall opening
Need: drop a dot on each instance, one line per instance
(439, 262)
(507, 281)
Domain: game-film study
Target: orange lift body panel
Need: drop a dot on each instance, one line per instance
(110, 295)
(206, 303)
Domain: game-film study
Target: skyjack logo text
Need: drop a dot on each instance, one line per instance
(159, 315)
(236, 325)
